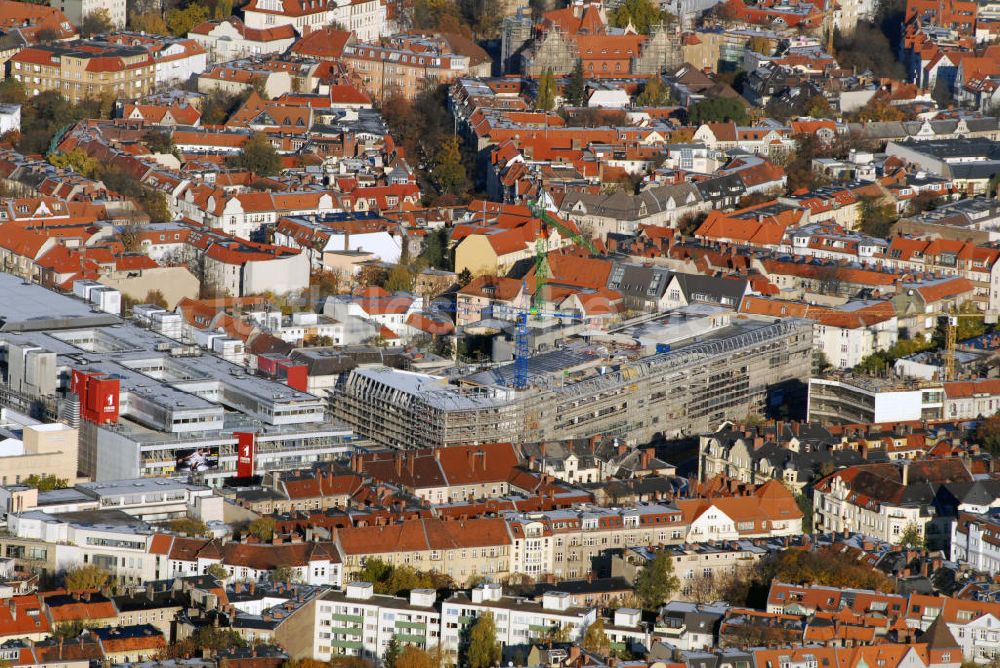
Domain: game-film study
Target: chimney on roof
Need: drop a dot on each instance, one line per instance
(411, 461)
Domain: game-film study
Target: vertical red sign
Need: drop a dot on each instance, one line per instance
(99, 396)
(244, 453)
(107, 392)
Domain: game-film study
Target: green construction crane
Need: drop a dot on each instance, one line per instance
(541, 250)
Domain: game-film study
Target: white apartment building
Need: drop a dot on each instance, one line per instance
(122, 547)
(838, 508)
(366, 18)
(518, 621)
(357, 622)
(230, 39)
(77, 10)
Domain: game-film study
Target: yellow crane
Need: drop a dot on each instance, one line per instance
(951, 342)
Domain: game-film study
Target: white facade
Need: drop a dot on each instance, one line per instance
(366, 18)
(120, 549)
(845, 347)
(835, 512)
(517, 621)
(226, 42)
(179, 62)
(356, 622)
(279, 275)
(262, 14)
(10, 118)
(77, 10)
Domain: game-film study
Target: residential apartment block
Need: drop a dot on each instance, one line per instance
(85, 69)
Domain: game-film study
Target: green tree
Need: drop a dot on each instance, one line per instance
(435, 251)
(12, 91)
(190, 526)
(576, 89)
(656, 582)
(96, 23)
(85, 577)
(595, 639)
(644, 15)
(258, 156)
(483, 650)
(464, 277)
(717, 110)
(77, 160)
(655, 94)
(400, 279)
(877, 218)
(805, 504)
(392, 651)
(45, 482)
(449, 171)
(911, 537)
(262, 528)
(181, 21)
(154, 203)
(69, 630)
(545, 99)
(158, 141)
(284, 575)
(217, 571)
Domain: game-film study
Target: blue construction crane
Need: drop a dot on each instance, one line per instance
(522, 342)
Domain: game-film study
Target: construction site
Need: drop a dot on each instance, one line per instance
(586, 389)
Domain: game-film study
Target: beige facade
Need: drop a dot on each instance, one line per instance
(85, 70)
(175, 283)
(48, 449)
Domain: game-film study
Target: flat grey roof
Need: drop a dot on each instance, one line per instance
(29, 307)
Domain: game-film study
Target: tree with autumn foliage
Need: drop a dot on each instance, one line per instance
(987, 434)
(643, 15)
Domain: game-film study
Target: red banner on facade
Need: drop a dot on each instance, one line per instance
(245, 444)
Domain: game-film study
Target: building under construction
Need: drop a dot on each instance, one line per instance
(584, 391)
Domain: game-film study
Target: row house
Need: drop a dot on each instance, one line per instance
(312, 563)
(885, 500)
(564, 542)
(518, 621)
(85, 69)
(949, 257)
(464, 550)
(846, 334)
(246, 215)
(402, 65)
(758, 140)
(831, 241)
(225, 264)
(445, 475)
(975, 538)
(958, 630)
